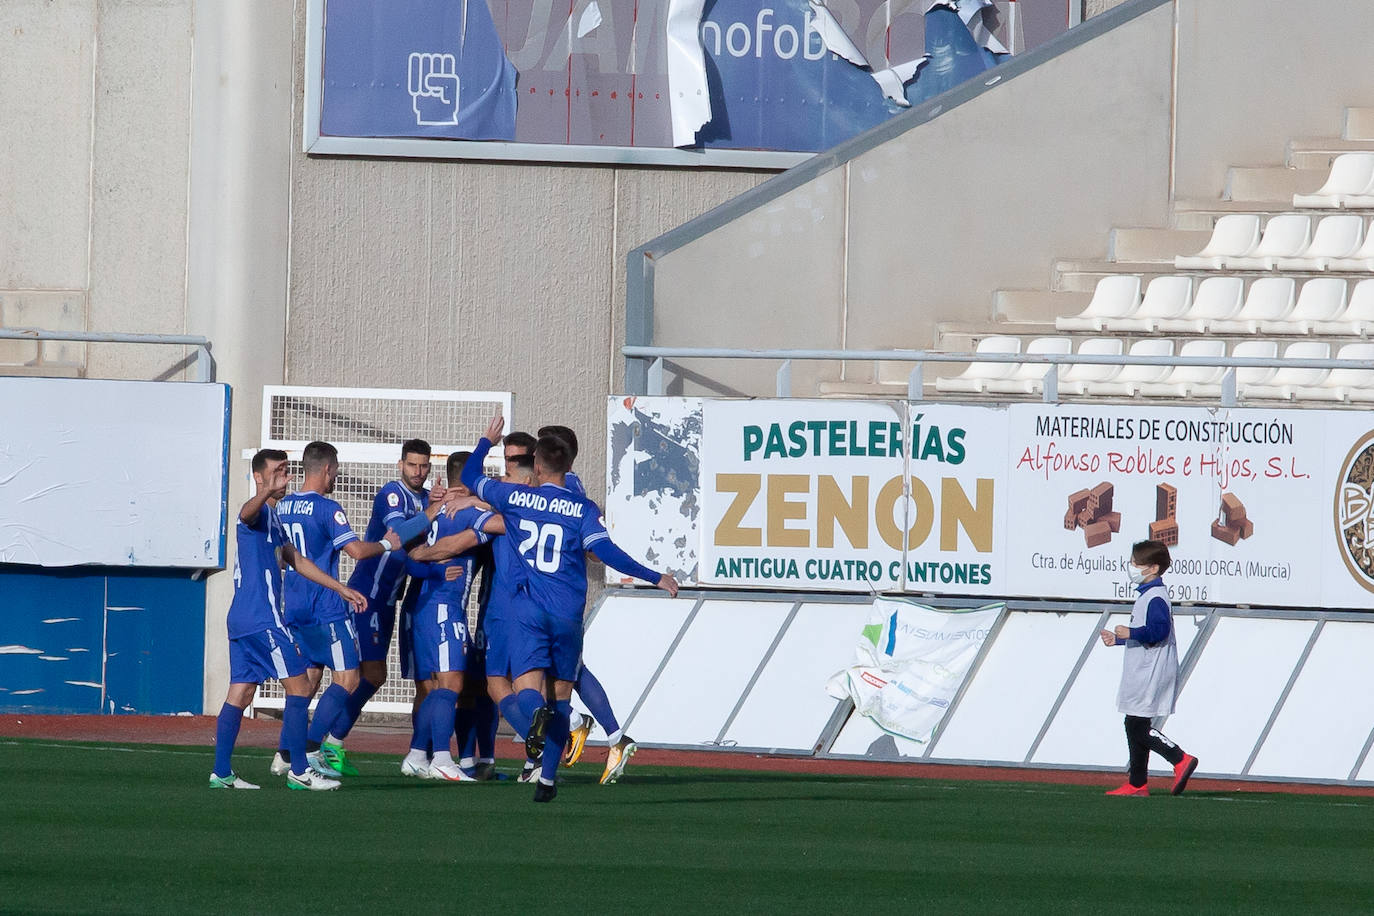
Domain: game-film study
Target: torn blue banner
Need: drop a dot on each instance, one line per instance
(416, 68)
(789, 76)
(774, 84)
(953, 55)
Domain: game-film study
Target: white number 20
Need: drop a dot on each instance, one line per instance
(547, 541)
(296, 532)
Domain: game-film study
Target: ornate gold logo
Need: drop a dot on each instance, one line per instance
(1354, 511)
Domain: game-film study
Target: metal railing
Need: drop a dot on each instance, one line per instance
(202, 365)
(655, 356)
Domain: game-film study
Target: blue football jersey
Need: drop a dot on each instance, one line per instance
(551, 527)
(574, 483)
(257, 603)
(319, 529)
(508, 573)
(435, 586)
(383, 576)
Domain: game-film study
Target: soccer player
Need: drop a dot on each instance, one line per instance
(407, 507)
(323, 624)
(441, 641)
(588, 687)
(506, 574)
(1149, 672)
(260, 646)
(554, 527)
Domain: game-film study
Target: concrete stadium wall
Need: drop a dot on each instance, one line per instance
(154, 182)
(476, 275)
(921, 219)
(95, 162)
(1242, 95)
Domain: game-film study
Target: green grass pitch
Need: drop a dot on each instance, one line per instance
(88, 828)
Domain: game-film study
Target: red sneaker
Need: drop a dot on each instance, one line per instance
(1128, 789)
(1182, 770)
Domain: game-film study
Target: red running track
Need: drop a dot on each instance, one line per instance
(263, 733)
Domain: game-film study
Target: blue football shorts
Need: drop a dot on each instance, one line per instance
(495, 629)
(332, 645)
(375, 626)
(440, 639)
(259, 656)
(540, 640)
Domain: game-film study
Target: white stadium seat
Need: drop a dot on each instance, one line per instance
(1358, 317)
(1350, 184)
(1077, 377)
(974, 379)
(1114, 297)
(1216, 299)
(1128, 381)
(1363, 259)
(1336, 237)
(1234, 235)
(1166, 298)
(1270, 299)
(1181, 379)
(1286, 378)
(1285, 236)
(1321, 300)
(1247, 376)
(1340, 384)
(1029, 378)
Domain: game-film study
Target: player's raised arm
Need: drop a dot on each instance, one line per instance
(271, 484)
(303, 565)
(489, 491)
(445, 548)
(416, 526)
(453, 545)
(361, 550)
(607, 552)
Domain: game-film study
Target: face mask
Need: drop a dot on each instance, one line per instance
(1136, 576)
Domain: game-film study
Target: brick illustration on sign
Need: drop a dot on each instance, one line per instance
(1091, 510)
(1232, 525)
(1165, 526)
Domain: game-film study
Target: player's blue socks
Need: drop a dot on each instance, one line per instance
(465, 731)
(531, 701)
(437, 714)
(594, 698)
(487, 723)
(555, 742)
(353, 708)
(293, 725)
(226, 733)
(510, 709)
(326, 711)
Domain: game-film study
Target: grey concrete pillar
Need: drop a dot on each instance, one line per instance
(241, 110)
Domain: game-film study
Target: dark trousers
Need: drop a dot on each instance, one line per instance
(1141, 738)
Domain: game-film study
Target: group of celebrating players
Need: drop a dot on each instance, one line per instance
(527, 535)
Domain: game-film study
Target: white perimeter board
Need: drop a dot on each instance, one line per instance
(860, 735)
(112, 473)
(625, 644)
(788, 706)
(1011, 693)
(1231, 693)
(707, 674)
(1088, 730)
(1328, 714)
